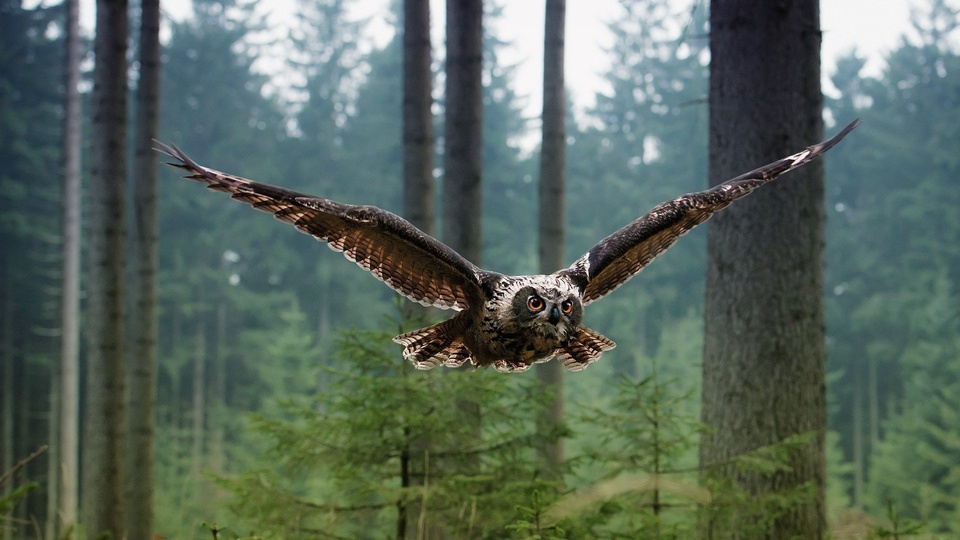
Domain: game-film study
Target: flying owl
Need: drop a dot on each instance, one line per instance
(508, 322)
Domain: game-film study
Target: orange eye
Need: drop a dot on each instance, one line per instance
(566, 307)
(535, 303)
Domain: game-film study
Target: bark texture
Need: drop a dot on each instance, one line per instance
(463, 128)
(142, 368)
(418, 184)
(101, 489)
(764, 355)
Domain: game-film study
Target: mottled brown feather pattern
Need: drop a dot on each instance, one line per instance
(620, 256)
(405, 258)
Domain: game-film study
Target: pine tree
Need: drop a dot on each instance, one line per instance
(346, 462)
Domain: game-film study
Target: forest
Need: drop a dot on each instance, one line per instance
(253, 389)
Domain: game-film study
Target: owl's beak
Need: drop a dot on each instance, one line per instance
(554, 315)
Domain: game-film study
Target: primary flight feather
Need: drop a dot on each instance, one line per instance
(508, 322)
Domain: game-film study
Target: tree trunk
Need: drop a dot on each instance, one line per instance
(199, 376)
(142, 378)
(216, 454)
(858, 461)
(463, 128)
(6, 391)
(462, 168)
(418, 205)
(103, 437)
(552, 216)
(53, 457)
(70, 302)
(764, 357)
(873, 395)
(418, 184)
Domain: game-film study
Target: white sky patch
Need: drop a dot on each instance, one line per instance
(871, 27)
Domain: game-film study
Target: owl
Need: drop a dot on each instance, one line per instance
(508, 322)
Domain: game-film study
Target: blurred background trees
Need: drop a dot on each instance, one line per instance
(251, 315)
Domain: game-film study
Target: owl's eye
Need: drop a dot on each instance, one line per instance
(566, 307)
(535, 303)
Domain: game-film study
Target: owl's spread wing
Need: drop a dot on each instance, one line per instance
(624, 253)
(410, 261)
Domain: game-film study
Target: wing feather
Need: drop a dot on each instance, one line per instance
(410, 261)
(620, 256)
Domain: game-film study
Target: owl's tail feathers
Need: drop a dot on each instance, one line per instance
(439, 344)
(582, 348)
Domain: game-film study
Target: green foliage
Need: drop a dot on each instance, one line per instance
(644, 143)
(30, 135)
(839, 473)
(899, 527)
(381, 439)
(255, 304)
(9, 500)
(893, 263)
(639, 461)
(734, 501)
(530, 524)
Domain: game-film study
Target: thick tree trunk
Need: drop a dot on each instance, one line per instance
(764, 357)
(463, 128)
(69, 401)
(552, 216)
(102, 486)
(142, 377)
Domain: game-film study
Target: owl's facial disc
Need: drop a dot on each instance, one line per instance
(547, 306)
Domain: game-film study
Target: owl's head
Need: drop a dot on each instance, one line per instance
(550, 307)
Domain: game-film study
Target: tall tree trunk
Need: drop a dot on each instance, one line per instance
(858, 461)
(70, 302)
(6, 388)
(418, 204)
(463, 129)
(552, 215)
(873, 397)
(217, 458)
(463, 165)
(418, 184)
(764, 355)
(102, 487)
(142, 376)
(53, 457)
(199, 409)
